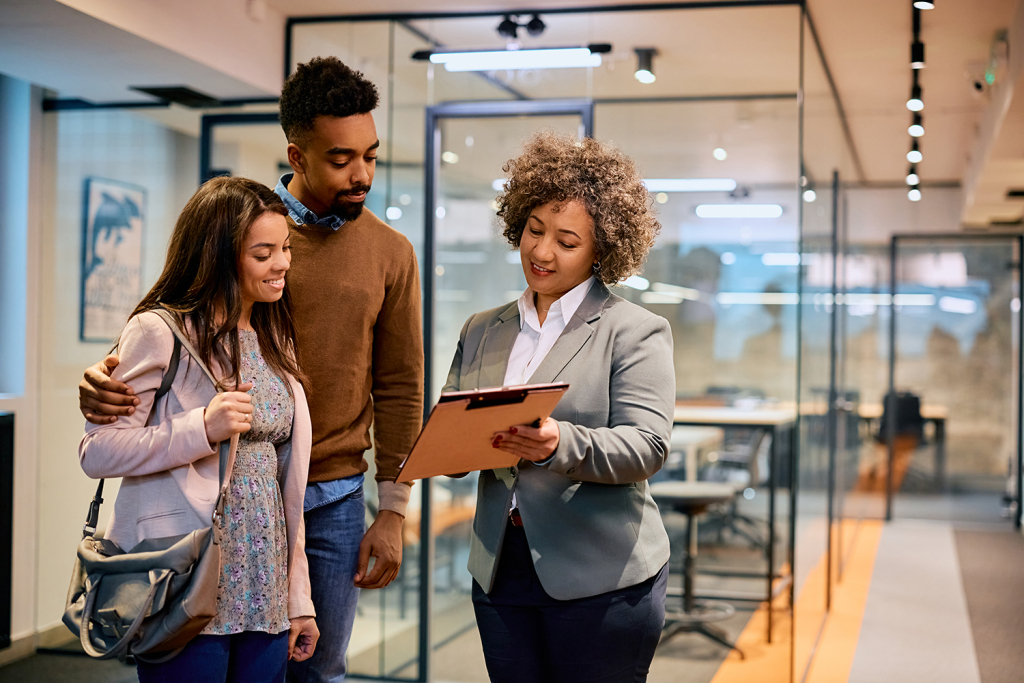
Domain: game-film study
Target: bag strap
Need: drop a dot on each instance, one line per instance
(92, 519)
(226, 460)
(120, 648)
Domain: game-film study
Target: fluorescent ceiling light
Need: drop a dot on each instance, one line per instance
(953, 304)
(690, 184)
(739, 210)
(498, 60)
(914, 300)
(676, 291)
(637, 282)
(660, 298)
(780, 259)
(751, 298)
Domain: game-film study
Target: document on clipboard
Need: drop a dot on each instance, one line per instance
(458, 434)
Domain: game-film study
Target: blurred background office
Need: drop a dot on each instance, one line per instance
(841, 189)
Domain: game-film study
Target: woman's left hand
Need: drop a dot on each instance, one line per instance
(302, 638)
(528, 442)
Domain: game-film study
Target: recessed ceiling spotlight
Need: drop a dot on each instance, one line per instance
(916, 129)
(912, 177)
(720, 154)
(914, 156)
(645, 64)
(810, 196)
(915, 103)
(924, 4)
(914, 194)
(535, 26)
(917, 55)
(508, 28)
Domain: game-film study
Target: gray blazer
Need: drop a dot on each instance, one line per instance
(587, 512)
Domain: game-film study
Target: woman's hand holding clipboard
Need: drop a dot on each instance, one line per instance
(460, 432)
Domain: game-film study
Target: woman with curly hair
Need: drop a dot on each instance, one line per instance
(569, 554)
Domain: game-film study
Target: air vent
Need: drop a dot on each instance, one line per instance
(179, 94)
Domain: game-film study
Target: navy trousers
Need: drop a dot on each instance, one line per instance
(247, 657)
(529, 637)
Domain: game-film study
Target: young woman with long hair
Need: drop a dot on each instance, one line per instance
(224, 281)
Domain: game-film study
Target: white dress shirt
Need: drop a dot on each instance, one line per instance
(535, 340)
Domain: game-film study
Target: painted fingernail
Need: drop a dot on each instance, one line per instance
(494, 444)
(513, 431)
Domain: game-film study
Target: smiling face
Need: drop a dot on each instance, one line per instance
(335, 165)
(265, 258)
(557, 248)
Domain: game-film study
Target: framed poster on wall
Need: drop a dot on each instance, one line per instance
(114, 216)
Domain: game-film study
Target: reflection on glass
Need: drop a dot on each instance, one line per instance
(955, 375)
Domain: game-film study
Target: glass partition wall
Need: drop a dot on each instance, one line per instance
(955, 334)
(727, 285)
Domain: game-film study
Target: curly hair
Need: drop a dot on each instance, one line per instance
(323, 86)
(558, 168)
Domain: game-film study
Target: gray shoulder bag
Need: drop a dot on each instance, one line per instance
(148, 602)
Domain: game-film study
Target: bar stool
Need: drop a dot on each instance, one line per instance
(692, 498)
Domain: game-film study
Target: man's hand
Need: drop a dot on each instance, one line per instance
(100, 398)
(302, 638)
(383, 541)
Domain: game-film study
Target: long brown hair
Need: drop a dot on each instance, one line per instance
(200, 283)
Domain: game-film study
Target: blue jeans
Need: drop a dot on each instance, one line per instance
(247, 657)
(333, 534)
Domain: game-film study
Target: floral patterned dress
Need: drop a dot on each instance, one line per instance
(253, 590)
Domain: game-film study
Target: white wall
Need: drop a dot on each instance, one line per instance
(22, 115)
(875, 214)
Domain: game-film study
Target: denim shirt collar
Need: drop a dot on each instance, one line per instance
(298, 212)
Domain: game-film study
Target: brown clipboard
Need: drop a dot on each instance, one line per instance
(458, 434)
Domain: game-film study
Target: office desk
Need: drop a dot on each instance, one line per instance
(930, 412)
(775, 421)
(690, 441)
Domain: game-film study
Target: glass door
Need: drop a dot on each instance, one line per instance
(468, 267)
(954, 443)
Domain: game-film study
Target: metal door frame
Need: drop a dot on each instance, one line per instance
(583, 108)
(891, 425)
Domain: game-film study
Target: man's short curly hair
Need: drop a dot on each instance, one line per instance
(323, 86)
(558, 168)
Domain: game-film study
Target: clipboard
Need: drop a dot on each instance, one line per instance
(458, 434)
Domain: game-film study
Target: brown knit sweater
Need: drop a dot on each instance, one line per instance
(356, 300)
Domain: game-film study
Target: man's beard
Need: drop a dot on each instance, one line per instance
(348, 210)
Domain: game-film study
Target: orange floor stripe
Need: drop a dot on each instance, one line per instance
(833, 657)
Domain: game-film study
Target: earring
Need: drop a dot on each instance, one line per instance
(597, 267)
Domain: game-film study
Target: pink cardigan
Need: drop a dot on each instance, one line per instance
(170, 470)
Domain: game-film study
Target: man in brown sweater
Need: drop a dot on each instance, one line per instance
(354, 286)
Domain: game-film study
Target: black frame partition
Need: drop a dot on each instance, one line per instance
(6, 524)
(432, 168)
(891, 396)
(211, 121)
